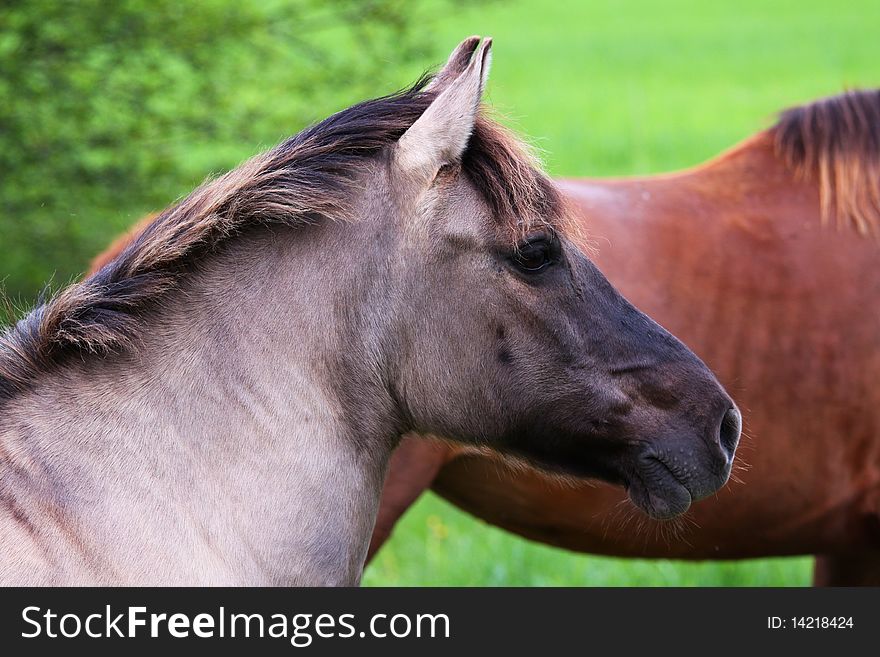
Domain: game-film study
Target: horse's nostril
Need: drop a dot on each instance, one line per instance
(731, 426)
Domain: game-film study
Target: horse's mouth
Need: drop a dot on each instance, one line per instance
(657, 490)
(654, 486)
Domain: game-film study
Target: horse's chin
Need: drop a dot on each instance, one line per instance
(658, 492)
(651, 484)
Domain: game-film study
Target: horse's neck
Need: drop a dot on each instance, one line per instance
(219, 454)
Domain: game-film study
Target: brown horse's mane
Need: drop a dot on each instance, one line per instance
(305, 178)
(835, 142)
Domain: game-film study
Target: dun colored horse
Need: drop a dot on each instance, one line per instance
(218, 404)
(765, 261)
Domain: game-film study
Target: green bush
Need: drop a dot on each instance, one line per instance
(112, 108)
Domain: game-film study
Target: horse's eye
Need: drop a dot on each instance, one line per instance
(533, 256)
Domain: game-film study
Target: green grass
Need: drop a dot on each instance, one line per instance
(615, 88)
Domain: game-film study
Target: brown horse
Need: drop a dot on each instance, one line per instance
(765, 262)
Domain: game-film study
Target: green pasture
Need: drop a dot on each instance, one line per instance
(600, 87)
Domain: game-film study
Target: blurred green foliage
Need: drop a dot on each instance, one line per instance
(112, 108)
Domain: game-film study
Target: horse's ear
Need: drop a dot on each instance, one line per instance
(440, 135)
(455, 65)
